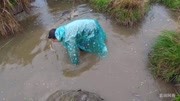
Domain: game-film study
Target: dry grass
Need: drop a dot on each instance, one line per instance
(25, 5)
(129, 4)
(125, 12)
(128, 12)
(8, 23)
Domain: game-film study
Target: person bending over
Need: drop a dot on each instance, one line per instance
(86, 35)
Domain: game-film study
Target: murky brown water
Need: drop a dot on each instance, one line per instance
(30, 71)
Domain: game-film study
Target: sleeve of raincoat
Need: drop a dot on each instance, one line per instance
(101, 31)
(73, 51)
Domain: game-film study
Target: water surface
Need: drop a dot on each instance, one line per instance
(30, 71)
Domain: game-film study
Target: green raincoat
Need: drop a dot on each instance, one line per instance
(85, 34)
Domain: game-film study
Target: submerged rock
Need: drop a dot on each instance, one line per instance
(74, 95)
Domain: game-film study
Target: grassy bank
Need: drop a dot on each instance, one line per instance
(8, 23)
(173, 4)
(165, 57)
(126, 12)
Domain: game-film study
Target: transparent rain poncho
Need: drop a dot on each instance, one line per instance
(86, 35)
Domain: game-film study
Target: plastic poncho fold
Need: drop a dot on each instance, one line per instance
(86, 35)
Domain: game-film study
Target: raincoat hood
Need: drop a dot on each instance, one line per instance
(59, 33)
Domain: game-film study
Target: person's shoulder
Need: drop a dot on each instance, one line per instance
(84, 20)
(60, 30)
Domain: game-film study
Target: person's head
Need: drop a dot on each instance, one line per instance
(52, 35)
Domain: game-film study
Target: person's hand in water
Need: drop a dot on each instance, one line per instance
(52, 41)
(51, 47)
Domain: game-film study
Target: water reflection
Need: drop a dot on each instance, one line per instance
(17, 50)
(87, 62)
(45, 17)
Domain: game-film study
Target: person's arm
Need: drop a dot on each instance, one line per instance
(73, 52)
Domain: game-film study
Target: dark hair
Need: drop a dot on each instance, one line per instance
(52, 34)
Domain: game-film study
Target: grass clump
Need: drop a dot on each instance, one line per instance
(174, 4)
(126, 12)
(8, 23)
(177, 98)
(100, 5)
(165, 57)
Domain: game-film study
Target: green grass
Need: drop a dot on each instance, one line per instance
(177, 98)
(100, 5)
(165, 57)
(13, 2)
(174, 4)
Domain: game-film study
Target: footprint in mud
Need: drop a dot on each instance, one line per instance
(74, 95)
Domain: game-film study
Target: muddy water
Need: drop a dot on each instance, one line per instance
(30, 71)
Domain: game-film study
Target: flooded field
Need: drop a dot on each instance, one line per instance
(30, 71)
